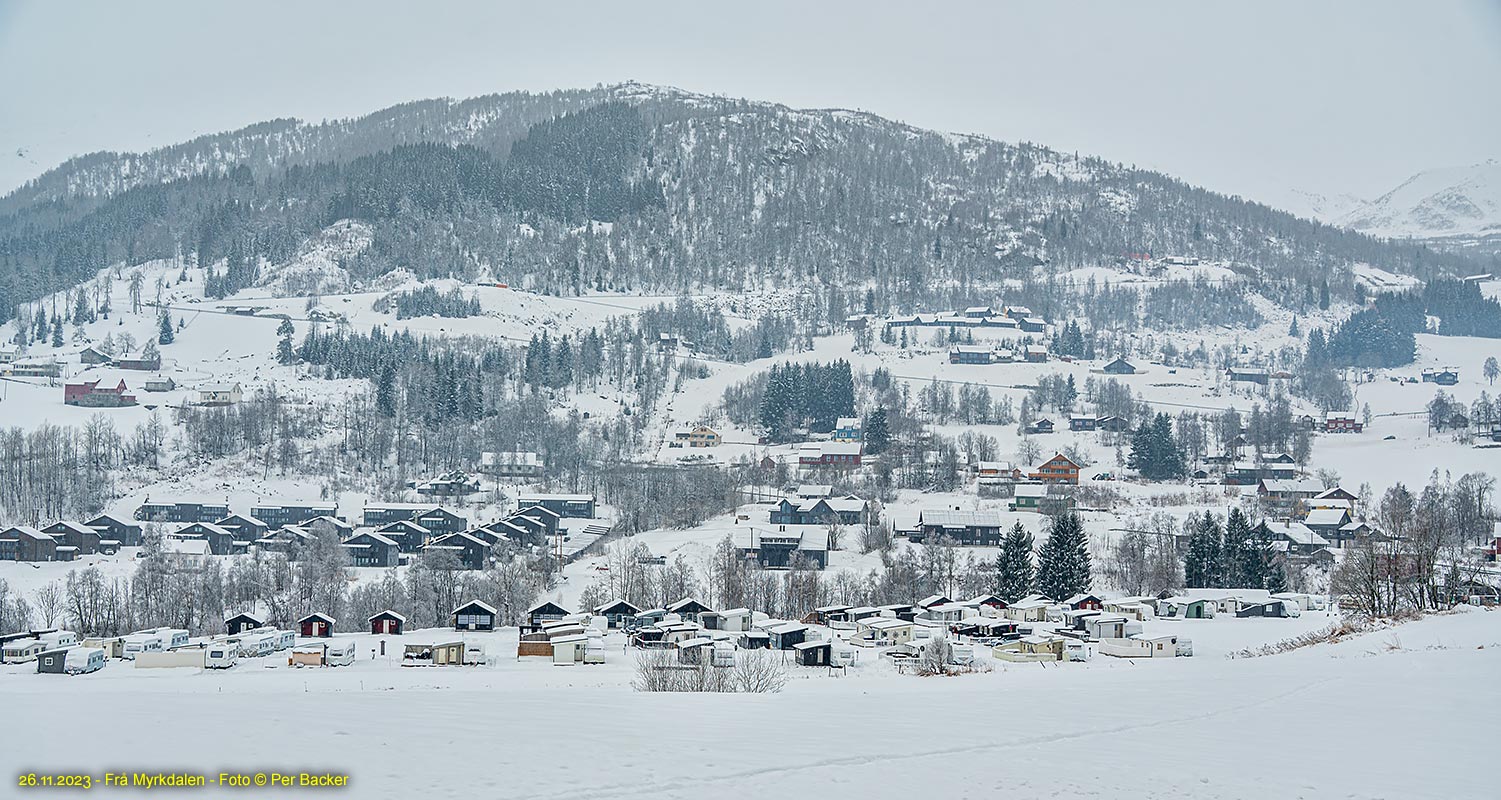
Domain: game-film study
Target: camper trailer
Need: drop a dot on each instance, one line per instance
(339, 653)
(172, 638)
(257, 644)
(21, 651)
(113, 646)
(144, 642)
(219, 655)
(280, 640)
(83, 660)
(57, 640)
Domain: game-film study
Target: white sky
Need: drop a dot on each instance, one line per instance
(1255, 100)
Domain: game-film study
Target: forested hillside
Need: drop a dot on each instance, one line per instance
(696, 193)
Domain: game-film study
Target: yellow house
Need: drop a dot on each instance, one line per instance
(703, 436)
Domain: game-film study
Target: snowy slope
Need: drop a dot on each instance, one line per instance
(1171, 728)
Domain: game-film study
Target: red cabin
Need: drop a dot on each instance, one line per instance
(387, 622)
(316, 624)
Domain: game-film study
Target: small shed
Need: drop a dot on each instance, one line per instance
(316, 624)
(475, 615)
(698, 650)
(734, 620)
(434, 655)
(387, 622)
(569, 649)
(813, 654)
(753, 640)
(53, 661)
(237, 624)
(306, 655)
(785, 637)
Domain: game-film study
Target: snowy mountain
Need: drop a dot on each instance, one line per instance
(700, 193)
(1438, 203)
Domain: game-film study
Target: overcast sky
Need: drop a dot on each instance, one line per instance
(1253, 100)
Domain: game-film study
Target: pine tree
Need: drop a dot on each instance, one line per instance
(1013, 566)
(165, 334)
(877, 432)
(57, 332)
(1063, 562)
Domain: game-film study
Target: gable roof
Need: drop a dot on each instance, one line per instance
(387, 613)
(480, 604)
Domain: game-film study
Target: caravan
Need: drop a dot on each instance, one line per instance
(82, 660)
(57, 640)
(339, 653)
(143, 642)
(257, 644)
(173, 638)
(219, 654)
(280, 640)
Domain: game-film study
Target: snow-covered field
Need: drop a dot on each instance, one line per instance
(1306, 724)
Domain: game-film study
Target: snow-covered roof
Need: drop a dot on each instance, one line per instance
(959, 519)
(1308, 486)
(186, 547)
(848, 422)
(258, 619)
(809, 645)
(317, 615)
(28, 532)
(1297, 533)
(387, 613)
(1326, 517)
(480, 603)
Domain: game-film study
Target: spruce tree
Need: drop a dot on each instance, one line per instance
(57, 332)
(1013, 566)
(284, 354)
(385, 392)
(877, 432)
(1241, 560)
(165, 335)
(1063, 562)
(1203, 565)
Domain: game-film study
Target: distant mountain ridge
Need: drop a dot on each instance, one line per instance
(700, 192)
(1452, 201)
